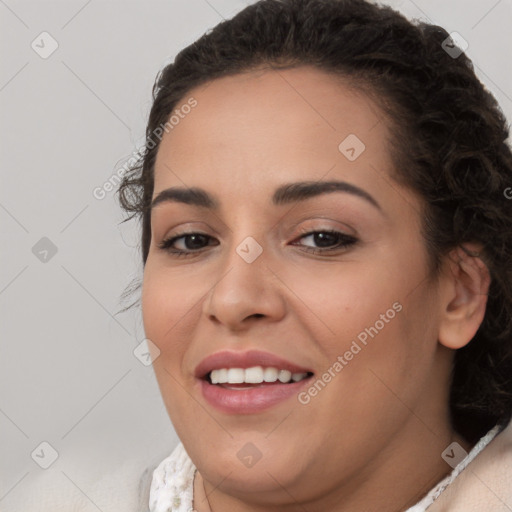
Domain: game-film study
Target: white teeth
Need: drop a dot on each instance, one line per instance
(284, 376)
(236, 375)
(219, 376)
(253, 375)
(270, 374)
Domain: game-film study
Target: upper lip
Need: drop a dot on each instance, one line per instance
(230, 359)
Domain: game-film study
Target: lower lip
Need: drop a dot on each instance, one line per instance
(250, 400)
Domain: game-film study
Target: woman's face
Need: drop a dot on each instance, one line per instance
(359, 313)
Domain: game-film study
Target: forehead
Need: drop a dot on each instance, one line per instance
(293, 123)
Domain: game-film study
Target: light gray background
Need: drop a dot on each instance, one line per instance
(68, 375)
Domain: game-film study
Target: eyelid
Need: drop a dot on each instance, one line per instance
(186, 227)
(319, 223)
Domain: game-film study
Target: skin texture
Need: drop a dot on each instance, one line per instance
(372, 438)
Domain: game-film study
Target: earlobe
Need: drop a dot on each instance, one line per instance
(463, 296)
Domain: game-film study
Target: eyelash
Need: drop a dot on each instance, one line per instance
(347, 240)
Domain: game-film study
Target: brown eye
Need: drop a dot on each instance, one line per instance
(192, 243)
(327, 240)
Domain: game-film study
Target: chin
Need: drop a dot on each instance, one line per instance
(244, 466)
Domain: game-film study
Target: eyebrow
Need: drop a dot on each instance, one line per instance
(284, 194)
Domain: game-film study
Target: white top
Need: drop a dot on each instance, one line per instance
(172, 484)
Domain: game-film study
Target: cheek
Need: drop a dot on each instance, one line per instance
(162, 310)
(165, 305)
(341, 301)
(379, 315)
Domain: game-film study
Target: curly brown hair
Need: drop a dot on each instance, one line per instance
(449, 145)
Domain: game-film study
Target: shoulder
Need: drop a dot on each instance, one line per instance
(485, 484)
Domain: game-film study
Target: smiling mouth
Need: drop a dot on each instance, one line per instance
(253, 377)
(251, 390)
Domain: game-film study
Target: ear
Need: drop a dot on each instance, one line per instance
(463, 296)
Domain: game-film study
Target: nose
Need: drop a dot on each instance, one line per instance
(245, 293)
